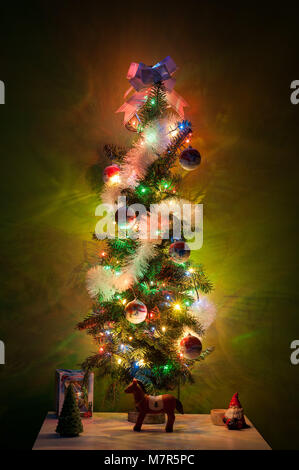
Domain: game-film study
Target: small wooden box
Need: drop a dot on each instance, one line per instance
(217, 416)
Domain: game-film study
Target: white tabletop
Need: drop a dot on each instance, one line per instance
(112, 431)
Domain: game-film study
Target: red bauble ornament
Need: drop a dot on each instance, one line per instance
(190, 159)
(179, 251)
(191, 347)
(125, 217)
(111, 174)
(136, 311)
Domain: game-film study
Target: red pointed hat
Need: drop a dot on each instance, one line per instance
(235, 401)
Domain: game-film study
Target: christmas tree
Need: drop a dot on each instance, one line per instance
(69, 421)
(147, 319)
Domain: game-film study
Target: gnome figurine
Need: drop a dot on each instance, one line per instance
(234, 416)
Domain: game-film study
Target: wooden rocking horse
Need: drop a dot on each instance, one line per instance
(149, 404)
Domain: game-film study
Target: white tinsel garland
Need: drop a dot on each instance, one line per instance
(155, 139)
(204, 310)
(107, 282)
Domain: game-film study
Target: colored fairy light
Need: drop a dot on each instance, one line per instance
(177, 307)
(153, 328)
(101, 350)
(153, 101)
(163, 329)
(124, 301)
(191, 270)
(119, 361)
(114, 179)
(151, 137)
(103, 253)
(181, 355)
(130, 338)
(122, 346)
(141, 362)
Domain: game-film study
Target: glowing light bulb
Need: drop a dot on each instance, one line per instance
(151, 137)
(103, 253)
(101, 350)
(191, 270)
(177, 307)
(163, 329)
(119, 361)
(114, 179)
(181, 355)
(141, 362)
(130, 338)
(124, 301)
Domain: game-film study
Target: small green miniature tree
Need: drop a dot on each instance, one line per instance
(69, 422)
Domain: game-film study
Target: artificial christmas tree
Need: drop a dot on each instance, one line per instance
(69, 421)
(146, 285)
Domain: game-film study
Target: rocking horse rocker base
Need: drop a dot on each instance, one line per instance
(146, 404)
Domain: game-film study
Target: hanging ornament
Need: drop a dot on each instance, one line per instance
(179, 251)
(111, 174)
(134, 124)
(153, 315)
(190, 347)
(190, 159)
(136, 311)
(125, 218)
(109, 325)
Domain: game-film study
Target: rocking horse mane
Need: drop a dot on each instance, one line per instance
(141, 385)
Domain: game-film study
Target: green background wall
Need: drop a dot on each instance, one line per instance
(65, 68)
